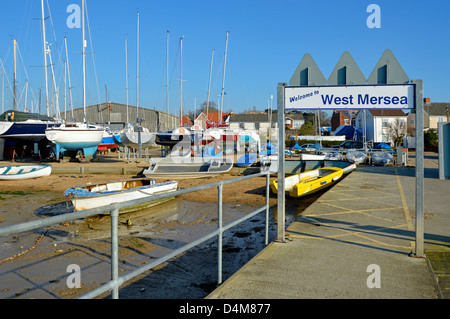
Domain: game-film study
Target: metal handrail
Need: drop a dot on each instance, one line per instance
(114, 208)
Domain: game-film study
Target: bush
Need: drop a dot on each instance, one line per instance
(430, 140)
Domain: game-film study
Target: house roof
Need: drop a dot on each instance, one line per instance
(186, 121)
(387, 112)
(215, 117)
(255, 118)
(437, 108)
(295, 116)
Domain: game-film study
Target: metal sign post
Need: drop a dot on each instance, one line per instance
(281, 205)
(394, 96)
(419, 168)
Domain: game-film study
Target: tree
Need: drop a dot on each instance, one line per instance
(211, 109)
(307, 129)
(396, 131)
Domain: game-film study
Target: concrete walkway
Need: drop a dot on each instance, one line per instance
(354, 242)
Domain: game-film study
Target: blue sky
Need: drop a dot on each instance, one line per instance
(267, 40)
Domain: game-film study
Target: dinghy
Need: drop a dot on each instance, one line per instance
(309, 182)
(309, 157)
(356, 157)
(12, 172)
(193, 167)
(97, 195)
(382, 158)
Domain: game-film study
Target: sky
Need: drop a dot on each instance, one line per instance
(266, 41)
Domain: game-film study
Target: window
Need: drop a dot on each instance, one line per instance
(384, 123)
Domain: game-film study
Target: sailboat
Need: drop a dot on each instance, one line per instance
(136, 136)
(79, 138)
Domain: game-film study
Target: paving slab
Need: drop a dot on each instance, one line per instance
(355, 242)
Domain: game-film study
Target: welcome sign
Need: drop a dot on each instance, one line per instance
(350, 97)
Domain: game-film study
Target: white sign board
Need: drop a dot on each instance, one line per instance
(350, 97)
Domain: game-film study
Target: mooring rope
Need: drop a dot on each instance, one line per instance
(25, 251)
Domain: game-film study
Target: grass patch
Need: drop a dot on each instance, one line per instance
(14, 193)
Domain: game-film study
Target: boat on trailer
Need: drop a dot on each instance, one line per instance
(101, 194)
(13, 172)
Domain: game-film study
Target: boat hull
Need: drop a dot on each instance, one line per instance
(24, 131)
(22, 126)
(107, 143)
(15, 172)
(98, 195)
(74, 139)
(130, 138)
(309, 182)
(356, 157)
(308, 157)
(183, 168)
(292, 167)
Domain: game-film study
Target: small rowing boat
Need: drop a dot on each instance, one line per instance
(12, 172)
(183, 168)
(97, 195)
(309, 182)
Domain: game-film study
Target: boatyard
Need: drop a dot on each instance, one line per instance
(341, 219)
(338, 191)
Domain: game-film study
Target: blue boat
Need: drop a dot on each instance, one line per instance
(22, 126)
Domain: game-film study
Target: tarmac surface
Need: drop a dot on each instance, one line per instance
(355, 242)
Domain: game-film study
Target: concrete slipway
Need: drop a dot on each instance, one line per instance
(366, 219)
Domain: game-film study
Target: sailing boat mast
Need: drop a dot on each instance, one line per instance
(44, 44)
(209, 84)
(167, 80)
(223, 78)
(3, 89)
(181, 81)
(15, 78)
(68, 75)
(126, 75)
(84, 61)
(137, 71)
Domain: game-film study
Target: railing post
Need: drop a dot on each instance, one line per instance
(219, 244)
(115, 251)
(267, 208)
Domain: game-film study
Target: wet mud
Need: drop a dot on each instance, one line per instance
(143, 236)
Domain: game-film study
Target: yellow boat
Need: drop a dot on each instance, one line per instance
(309, 182)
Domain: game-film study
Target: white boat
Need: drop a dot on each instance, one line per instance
(130, 137)
(382, 158)
(193, 167)
(97, 195)
(13, 172)
(81, 138)
(333, 156)
(356, 157)
(311, 157)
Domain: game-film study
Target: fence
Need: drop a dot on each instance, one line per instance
(114, 208)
